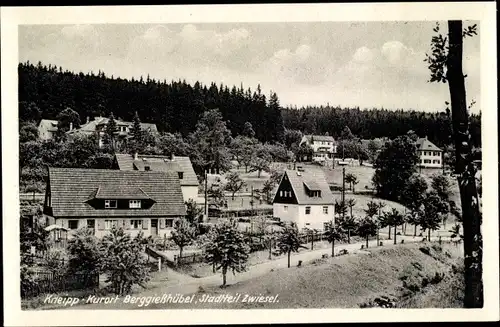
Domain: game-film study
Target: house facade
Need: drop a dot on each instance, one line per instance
(47, 128)
(100, 199)
(430, 156)
(323, 146)
(98, 127)
(179, 166)
(304, 197)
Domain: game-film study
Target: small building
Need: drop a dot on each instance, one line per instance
(47, 128)
(147, 201)
(304, 197)
(180, 166)
(98, 127)
(430, 156)
(323, 146)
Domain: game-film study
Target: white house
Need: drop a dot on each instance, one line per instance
(324, 146)
(180, 165)
(47, 128)
(304, 197)
(430, 156)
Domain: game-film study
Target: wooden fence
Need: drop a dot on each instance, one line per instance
(189, 258)
(47, 282)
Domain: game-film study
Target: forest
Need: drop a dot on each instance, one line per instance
(378, 123)
(175, 107)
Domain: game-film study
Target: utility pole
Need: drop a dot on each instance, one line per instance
(343, 193)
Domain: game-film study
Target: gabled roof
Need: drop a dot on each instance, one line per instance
(159, 163)
(425, 145)
(321, 138)
(91, 126)
(314, 178)
(71, 188)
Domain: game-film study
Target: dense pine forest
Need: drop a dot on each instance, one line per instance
(174, 106)
(377, 123)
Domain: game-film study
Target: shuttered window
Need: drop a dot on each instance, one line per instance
(136, 224)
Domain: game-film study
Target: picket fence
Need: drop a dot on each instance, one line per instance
(46, 282)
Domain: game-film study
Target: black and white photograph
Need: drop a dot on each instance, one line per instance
(250, 157)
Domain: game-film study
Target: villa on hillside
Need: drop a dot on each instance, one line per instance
(430, 156)
(324, 146)
(47, 128)
(98, 126)
(304, 197)
(147, 201)
(180, 166)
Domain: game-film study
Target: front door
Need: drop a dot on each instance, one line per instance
(154, 227)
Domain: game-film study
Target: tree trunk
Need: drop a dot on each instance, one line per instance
(349, 236)
(415, 231)
(333, 247)
(366, 240)
(395, 234)
(428, 234)
(312, 241)
(213, 267)
(473, 243)
(224, 273)
(389, 232)
(378, 237)
(289, 259)
(180, 251)
(270, 249)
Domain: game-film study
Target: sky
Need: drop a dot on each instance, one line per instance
(365, 64)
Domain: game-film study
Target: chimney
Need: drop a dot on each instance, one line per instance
(136, 156)
(88, 119)
(70, 126)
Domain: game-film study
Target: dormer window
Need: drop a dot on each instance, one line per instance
(134, 204)
(110, 204)
(181, 175)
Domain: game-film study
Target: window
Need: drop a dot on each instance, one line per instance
(134, 204)
(308, 210)
(438, 162)
(91, 223)
(325, 210)
(136, 224)
(181, 174)
(281, 193)
(73, 224)
(169, 223)
(285, 208)
(123, 128)
(109, 204)
(427, 161)
(108, 224)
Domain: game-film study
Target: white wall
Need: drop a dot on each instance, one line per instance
(429, 155)
(297, 214)
(99, 233)
(189, 192)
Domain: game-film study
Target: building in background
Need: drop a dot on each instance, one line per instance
(430, 156)
(47, 128)
(323, 146)
(180, 166)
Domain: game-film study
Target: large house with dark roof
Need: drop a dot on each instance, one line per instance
(304, 197)
(180, 166)
(323, 146)
(147, 201)
(98, 127)
(430, 156)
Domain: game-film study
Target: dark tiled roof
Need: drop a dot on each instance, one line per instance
(160, 163)
(425, 145)
(314, 177)
(121, 192)
(71, 188)
(322, 138)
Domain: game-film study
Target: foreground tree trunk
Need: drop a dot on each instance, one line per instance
(473, 243)
(333, 247)
(224, 273)
(289, 259)
(395, 234)
(415, 231)
(366, 240)
(389, 232)
(429, 234)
